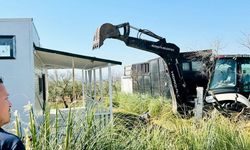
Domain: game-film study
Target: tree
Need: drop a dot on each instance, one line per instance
(217, 45)
(78, 90)
(245, 41)
(59, 86)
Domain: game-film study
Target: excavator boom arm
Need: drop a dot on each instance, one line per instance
(168, 51)
(160, 47)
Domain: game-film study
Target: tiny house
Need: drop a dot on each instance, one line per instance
(17, 61)
(24, 64)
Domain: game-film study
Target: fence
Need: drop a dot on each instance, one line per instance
(101, 115)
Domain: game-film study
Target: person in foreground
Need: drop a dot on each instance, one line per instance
(8, 141)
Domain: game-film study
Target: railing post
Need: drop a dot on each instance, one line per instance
(83, 94)
(100, 81)
(94, 83)
(110, 93)
(90, 82)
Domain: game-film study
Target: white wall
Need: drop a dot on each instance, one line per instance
(38, 71)
(18, 74)
(126, 84)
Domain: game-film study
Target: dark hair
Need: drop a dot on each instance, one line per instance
(1, 81)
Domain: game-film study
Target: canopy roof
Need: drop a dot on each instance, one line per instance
(54, 59)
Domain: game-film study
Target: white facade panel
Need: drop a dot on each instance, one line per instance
(18, 73)
(126, 84)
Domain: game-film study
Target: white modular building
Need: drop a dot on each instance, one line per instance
(24, 64)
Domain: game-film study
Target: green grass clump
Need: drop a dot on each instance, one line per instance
(163, 131)
(133, 103)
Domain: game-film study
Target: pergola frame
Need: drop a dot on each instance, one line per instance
(54, 59)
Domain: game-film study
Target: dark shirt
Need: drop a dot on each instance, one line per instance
(10, 141)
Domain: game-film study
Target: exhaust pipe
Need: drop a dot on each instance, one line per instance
(107, 30)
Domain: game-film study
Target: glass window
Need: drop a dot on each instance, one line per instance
(185, 66)
(245, 76)
(144, 68)
(196, 65)
(224, 74)
(7, 47)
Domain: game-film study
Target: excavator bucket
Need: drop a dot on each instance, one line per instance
(107, 30)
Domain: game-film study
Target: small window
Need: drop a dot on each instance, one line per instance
(145, 68)
(224, 74)
(7, 47)
(142, 68)
(196, 65)
(185, 66)
(245, 76)
(40, 82)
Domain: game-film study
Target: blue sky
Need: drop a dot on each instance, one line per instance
(194, 24)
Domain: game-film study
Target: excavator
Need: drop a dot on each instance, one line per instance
(227, 94)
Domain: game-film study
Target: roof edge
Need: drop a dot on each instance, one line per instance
(76, 55)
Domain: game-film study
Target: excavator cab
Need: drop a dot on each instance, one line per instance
(195, 67)
(229, 87)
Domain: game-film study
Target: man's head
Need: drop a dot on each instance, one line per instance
(4, 105)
